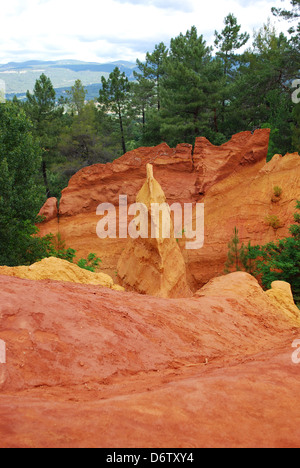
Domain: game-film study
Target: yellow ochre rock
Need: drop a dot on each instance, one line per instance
(282, 297)
(60, 270)
(153, 264)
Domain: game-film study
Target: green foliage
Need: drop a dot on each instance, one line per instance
(277, 191)
(91, 263)
(292, 14)
(238, 256)
(263, 88)
(273, 221)
(21, 195)
(46, 118)
(76, 97)
(280, 260)
(229, 40)
(114, 98)
(153, 70)
(82, 141)
(296, 128)
(190, 88)
(55, 246)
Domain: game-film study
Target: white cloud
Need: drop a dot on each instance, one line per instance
(106, 30)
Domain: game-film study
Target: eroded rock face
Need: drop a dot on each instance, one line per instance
(244, 200)
(154, 265)
(282, 297)
(241, 195)
(49, 210)
(215, 163)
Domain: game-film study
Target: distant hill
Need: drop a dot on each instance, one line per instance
(20, 77)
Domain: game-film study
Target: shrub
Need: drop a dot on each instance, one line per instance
(238, 257)
(55, 246)
(280, 260)
(91, 263)
(277, 191)
(273, 221)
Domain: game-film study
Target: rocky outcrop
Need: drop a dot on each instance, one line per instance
(153, 264)
(60, 270)
(279, 296)
(282, 298)
(233, 181)
(215, 163)
(244, 200)
(91, 367)
(49, 210)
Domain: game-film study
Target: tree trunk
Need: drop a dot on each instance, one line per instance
(158, 94)
(144, 118)
(44, 170)
(122, 132)
(216, 120)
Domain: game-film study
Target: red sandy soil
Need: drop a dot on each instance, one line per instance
(91, 367)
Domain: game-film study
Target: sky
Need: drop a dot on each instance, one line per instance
(110, 30)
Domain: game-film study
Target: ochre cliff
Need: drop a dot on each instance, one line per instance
(233, 181)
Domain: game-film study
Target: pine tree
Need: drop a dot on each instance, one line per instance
(190, 89)
(114, 98)
(45, 115)
(239, 257)
(291, 15)
(228, 41)
(20, 194)
(153, 70)
(76, 97)
(233, 255)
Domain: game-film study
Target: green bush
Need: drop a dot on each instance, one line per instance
(91, 263)
(55, 246)
(238, 256)
(273, 221)
(280, 260)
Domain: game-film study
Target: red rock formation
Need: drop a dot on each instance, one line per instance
(241, 196)
(215, 163)
(49, 211)
(90, 367)
(245, 199)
